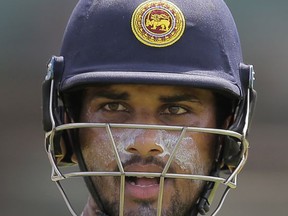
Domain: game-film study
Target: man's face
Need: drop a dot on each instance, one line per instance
(147, 150)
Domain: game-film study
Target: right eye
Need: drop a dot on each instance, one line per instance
(175, 110)
(114, 107)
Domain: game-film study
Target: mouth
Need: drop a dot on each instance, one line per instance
(142, 188)
(145, 187)
(142, 181)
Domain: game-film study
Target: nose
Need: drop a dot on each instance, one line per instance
(145, 144)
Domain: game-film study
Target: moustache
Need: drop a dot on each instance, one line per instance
(150, 160)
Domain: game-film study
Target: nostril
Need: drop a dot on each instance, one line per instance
(159, 148)
(154, 152)
(132, 150)
(145, 151)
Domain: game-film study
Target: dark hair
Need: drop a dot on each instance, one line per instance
(224, 108)
(73, 103)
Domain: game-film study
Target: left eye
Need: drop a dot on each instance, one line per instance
(175, 110)
(114, 107)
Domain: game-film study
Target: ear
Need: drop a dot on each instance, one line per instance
(221, 141)
(74, 158)
(67, 155)
(231, 147)
(60, 157)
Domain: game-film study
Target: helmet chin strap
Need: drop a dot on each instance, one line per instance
(194, 211)
(203, 205)
(205, 200)
(88, 180)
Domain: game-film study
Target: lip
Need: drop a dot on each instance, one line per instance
(147, 192)
(142, 188)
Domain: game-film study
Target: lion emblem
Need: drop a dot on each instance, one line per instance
(158, 20)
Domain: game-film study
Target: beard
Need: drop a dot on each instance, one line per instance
(111, 202)
(146, 209)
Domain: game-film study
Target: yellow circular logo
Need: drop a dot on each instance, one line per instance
(158, 23)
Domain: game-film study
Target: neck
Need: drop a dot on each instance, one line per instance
(91, 209)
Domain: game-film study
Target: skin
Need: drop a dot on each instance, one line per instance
(148, 150)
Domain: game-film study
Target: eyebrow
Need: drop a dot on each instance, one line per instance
(179, 98)
(111, 95)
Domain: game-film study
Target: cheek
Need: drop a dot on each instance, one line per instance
(97, 149)
(206, 144)
(189, 155)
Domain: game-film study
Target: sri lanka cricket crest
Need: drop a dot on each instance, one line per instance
(158, 23)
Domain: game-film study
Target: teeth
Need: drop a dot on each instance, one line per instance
(137, 181)
(145, 186)
(132, 183)
(144, 177)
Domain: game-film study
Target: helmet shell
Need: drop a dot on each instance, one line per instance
(99, 46)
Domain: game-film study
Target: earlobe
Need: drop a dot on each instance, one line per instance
(67, 154)
(74, 158)
(61, 157)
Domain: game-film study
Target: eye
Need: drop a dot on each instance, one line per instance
(175, 110)
(114, 107)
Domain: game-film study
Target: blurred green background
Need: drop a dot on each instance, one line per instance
(31, 31)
